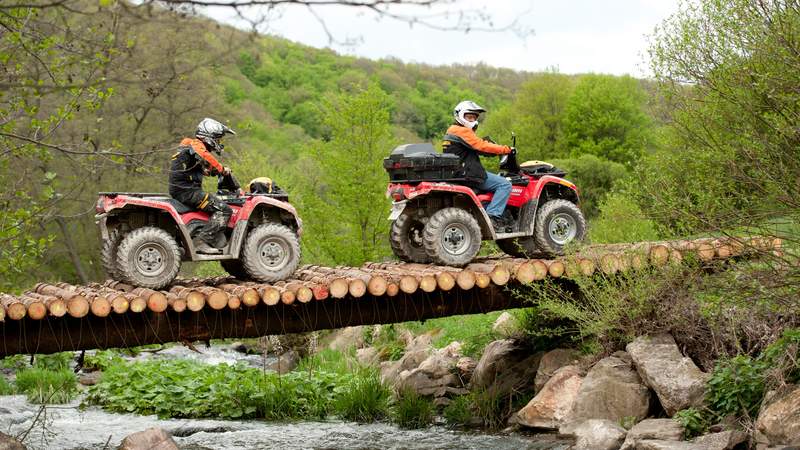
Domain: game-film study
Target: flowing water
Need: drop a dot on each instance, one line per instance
(69, 427)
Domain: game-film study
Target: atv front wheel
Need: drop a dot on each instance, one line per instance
(558, 222)
(452, 237)
(108, 255)
(405, 238)
(271, 252)
(149, 257)
(235, 268)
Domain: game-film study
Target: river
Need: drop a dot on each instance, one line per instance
(70, 427)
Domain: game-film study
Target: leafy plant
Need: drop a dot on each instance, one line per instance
(489, 407)
(101, 360)
(736, 387)
(5, 387)
(47, 386)
(694, 421)
(412, 410)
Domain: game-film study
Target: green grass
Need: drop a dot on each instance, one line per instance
(412, 410)
(5, 387)
(459, 412)
(363, 398)
(47, 386)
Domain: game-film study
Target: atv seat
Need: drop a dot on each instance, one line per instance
(180, 207)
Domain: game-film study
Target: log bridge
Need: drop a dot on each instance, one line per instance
(62, 317)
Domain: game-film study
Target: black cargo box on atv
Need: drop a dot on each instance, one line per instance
(413, 163)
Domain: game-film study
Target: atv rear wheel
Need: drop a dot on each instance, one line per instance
(558, 222)
(452, 237)
(149, 257)
(405, 238)
(271, 252)
(523, 247)
(235, 268)
(108, 255)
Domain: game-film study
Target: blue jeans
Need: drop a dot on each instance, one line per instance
(502, 191)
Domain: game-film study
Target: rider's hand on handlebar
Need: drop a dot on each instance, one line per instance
(513, 150)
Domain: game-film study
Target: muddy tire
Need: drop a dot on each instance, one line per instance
(235, 267)
(452, 237)
(558, 222)
(524, 247)
(405, 238)
(271, 252)
(149, 257)
(108, 255)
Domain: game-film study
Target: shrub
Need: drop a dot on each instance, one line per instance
(412, 410)
(594, 176)
(489, 408)
(47, 386)
(459, 411)
(736, 387)
(54, 362)
(364, 398)
(621, 220)
(101, 360)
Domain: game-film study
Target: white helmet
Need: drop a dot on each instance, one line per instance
(467, 106)
(210, 132)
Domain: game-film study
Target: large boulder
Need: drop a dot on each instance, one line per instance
(436, 376)
(149, 439)
(612, 390)
(10, 443)
(506, 366)
(660, 429)
(726, 440)
(595, 434)
(417, 350)
(551, 362)
(346, 338)
(779, 419)
(369, 356)
(553, 403)
(677, 381)
(505, 325)
(285, 363)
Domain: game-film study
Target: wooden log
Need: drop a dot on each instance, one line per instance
(217, 299)
(377, 285)
(2, 312)
(77, 305)
(14, 307)
(609, 264)
(120, 304)
(302, 293)
(722, 249)
(195, 300)
(246, 294)
(234, 302)
(177, 304)
(137, 303)
(482, 280)
(465, 279)
(705, 251)
(446, 281)
(357, 287)
(659, 254)
(392, 289)
(100, 306)
(56, 306)
(637, 261)
(339, 288)
(156, 301)
(524, 272)
(35, 308)
(427, 283)
(270, 295)
(555, 268)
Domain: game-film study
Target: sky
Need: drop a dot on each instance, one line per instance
(574, 36)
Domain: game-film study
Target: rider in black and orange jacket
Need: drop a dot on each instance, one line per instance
(460, 139)
(194, 160)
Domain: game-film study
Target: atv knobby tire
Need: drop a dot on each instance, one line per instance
(149, 257)
(108, 255)
(405, 237)
(235, 268)
(522, 247)
(558, 222)
(452, 237)
(271, 252)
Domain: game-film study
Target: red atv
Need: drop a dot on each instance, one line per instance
(436, 218)
(146, 236)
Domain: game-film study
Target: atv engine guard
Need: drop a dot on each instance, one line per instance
(397, 209)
